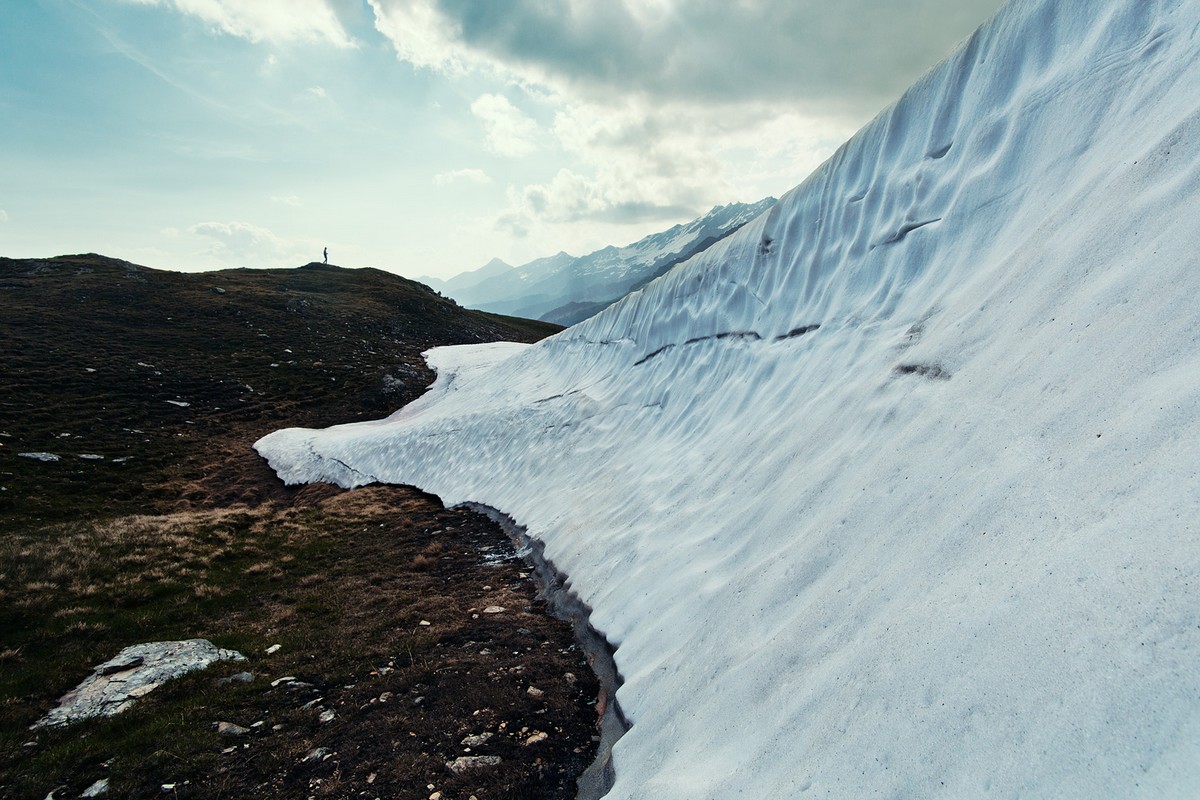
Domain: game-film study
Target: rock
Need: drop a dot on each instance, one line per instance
(538, 736)
(119, 664)
(464, 764)
(533, 691)
(230, 729)
(284, 679)
(241, 677)
(134, 672)
(41, 456)
(97, 789)
(494, 610)
(326, 716)
(317, 754)
(477, 739)
(218, 290)
(273, 649)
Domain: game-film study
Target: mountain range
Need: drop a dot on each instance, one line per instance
(566, 289)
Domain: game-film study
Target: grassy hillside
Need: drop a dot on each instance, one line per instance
(151, 519)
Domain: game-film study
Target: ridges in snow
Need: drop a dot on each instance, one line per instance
(943, 544)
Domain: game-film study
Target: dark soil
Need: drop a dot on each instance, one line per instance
(178, 531)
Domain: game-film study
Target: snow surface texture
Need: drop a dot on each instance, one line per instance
(946, 543)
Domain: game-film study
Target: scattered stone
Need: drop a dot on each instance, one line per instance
(435, 796)
(134, 672)
(538, 736)
(477, 739)
(284, 679)
(228, 750)
(326, 716)
(464, 764)
(230, 729)
(218, 290)
(241, 677)
(97, 789)
(383, 698)
(533, 691)
(91, 456)
(570, 678)
(41, 456)
(494, 610)
(273, 649)
(311, 703)
(317, 754)
(424, 623)
(180, 403)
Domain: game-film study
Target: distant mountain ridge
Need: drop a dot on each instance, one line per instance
(567, 289)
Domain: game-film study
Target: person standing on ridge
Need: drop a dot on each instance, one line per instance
(326, 255)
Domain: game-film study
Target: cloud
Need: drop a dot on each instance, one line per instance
(287, 200)
(646, 163)
(468, 175)
(276, 21)
(318, 91)
(3, 215)
(653, 101)
(856, 54)
(509, 131)
(244, 242)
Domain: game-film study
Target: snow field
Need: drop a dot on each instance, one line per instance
(943, 545)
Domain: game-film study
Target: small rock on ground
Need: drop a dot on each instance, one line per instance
(464, 764)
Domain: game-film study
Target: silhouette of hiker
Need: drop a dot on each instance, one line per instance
(326, 255)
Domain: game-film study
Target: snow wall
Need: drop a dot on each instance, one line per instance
(944, 544)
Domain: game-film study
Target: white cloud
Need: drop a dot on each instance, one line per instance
(670, 106)
(318, 91)
(643, 163)
(3, 215)
(856, 54)
(468, 175)
(266, 20)
(287, 200)
(509, 131)
(248, 244)
(423, 36)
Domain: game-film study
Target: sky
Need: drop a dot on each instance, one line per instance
(426, 137)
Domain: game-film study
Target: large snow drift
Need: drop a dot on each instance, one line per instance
(944, 545)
